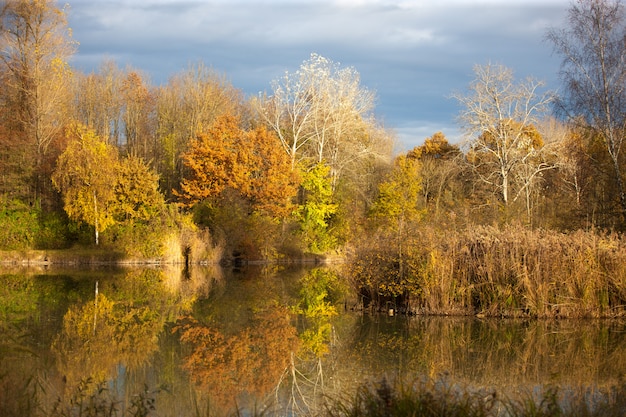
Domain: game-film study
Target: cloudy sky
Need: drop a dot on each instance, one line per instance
(413, 53)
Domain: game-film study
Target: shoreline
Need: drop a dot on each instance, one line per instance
(108, 257)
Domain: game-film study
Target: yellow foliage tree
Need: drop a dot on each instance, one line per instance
(86, 174)
(397, 206)
(136, 191)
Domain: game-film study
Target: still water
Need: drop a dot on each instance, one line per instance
(207, 341)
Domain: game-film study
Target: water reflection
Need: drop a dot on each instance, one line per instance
(207, 340)
(500, 353)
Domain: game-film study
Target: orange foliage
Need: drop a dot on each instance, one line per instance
(252, 360)
(250, 162)
(436, 147)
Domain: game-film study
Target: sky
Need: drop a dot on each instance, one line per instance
(414, 54)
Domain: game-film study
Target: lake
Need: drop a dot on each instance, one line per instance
(207, 341)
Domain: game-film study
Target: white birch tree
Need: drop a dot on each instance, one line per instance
(499, 118)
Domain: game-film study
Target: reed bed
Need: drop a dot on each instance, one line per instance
(510, 272)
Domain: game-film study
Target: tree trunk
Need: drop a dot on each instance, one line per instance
(620, 188)
(95, 210)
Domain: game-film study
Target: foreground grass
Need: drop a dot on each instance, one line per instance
(424, 397)
(439, 397)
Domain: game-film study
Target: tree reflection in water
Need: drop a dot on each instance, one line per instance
(225, 366)
(264, 339)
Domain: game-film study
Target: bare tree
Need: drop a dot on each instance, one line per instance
(323, 113)
(98, 101)
(593, 72)
(499, 118)
(289, 111)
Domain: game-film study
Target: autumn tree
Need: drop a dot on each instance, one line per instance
(98, 101)
(569, 190)
(186, 107)
(136, 191)
(86, 175)
(35, 45)
(248, 162)
(499, 118)
(397, 208)
(439, 163)
(593, 51)
(137, 103)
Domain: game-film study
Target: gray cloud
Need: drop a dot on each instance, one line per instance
(414, 54)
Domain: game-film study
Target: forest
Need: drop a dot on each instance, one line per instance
(524, 218)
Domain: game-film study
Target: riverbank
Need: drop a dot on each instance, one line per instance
(69, 257)
(79, 256)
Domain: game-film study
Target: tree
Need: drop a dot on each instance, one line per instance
(212, 162)
(499, 117)
(136, 191)
(288, 112)
(317, 208)
(270, 184)
(323, 113)
(397, 205)
(137, 101)
(593, 49)
(98, 101)
(86, 174)
(248, 162)
(35, 45)
(439, 163)
(185, 108)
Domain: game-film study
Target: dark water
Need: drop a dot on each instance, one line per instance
(206, 342)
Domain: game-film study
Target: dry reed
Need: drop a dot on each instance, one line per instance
(513, 272)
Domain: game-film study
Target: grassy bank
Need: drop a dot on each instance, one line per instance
(74, 256)
(512, 272)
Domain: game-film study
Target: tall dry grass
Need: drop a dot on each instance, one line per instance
(513, 272)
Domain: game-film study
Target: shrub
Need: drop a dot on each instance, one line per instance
(19, 225)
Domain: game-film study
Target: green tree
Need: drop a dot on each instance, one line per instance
(317, 208)
(397, 207)
(86, 175)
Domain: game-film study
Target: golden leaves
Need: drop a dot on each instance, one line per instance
(251, 162)
(252, 359)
